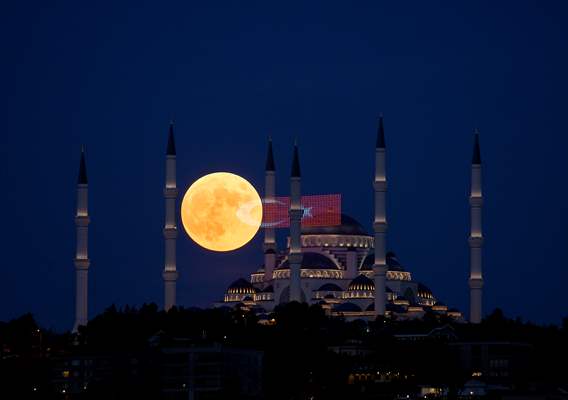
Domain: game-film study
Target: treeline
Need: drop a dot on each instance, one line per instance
(298, 356)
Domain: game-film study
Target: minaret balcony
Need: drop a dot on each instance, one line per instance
(170, 233)
(170, 192)
(380, 185)
(475, 283)
(380, 226)
(475, 241)
(476, 201)
(82, 263)
(82, 220)
(169, 276)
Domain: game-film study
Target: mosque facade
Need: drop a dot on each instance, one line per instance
(342, 269)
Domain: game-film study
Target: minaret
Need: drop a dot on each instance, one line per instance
(380, 223)
(475, 236)
(351, 270)
(295, 213)
(170, 274)
(82, 254)
(269, 236)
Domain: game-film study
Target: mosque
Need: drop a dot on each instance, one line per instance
(345, 269)
(342, 268)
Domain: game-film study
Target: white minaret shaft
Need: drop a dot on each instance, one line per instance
(170, 274)
(351, 270)
(475, 237)
(82, 254)
(295, 254)
(269, 234)
(380, 223)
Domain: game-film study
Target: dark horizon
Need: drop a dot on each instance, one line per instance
(230, 76)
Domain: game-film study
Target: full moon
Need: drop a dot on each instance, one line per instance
(221, 211)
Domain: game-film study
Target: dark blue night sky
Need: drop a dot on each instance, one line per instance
(112, 75)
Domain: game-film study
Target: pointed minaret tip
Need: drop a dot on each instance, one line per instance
(171, 149)
(381, 134)
(476, 158)
(296, 162)
(269, 156)
(82, 177)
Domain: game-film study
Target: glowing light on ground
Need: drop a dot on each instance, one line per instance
(221, 211)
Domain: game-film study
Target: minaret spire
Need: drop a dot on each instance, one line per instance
(381, 134)
(269, 166)
(171, 149)
(476, 235)
(380, 223)
(295, 213)
(82, 177)
(476, 158)
(296, 162)
(82, 262)
(170, 274)
(269, 233)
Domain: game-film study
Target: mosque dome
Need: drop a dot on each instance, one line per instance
(349, 226)
(330, 287)
(391, 258)
(361, 283)
(347, 307)
(312, 261)
(241, 286)
(424, 291)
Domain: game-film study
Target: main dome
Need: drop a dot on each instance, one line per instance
(349, 226)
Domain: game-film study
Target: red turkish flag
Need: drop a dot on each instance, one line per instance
(319, 210)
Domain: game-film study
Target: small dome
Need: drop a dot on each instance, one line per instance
(241, 286)
(312, 261)
(349, 226)
(391, 259)
(361, 283)
(424, 291)
(330, 287)
(370, 307)
(248, 298)
(347, 307)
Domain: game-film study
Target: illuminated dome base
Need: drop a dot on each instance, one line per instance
(339, 278)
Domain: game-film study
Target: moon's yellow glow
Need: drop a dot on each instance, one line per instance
(221, 211)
